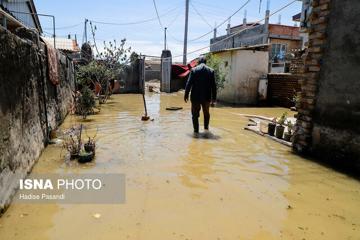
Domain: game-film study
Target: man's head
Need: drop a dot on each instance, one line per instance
(202, 59)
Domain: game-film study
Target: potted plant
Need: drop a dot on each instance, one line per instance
(271, 127)
(72, 141)
(280, 127)
(90, 145)
(85, 156)
(289, 133)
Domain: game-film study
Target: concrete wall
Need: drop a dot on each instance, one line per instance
(245, 67)
(254, 36)
(336, 130)
(131, 78)
(152, 75)
(27, 102)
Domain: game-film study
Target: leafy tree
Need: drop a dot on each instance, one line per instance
(94, 72)
(220, 72)
(107, 66)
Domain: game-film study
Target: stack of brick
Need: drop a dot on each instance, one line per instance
(282, 88)
(297, 65)
(309, 82)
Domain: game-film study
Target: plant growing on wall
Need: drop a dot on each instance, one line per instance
(220, 72)
(281, 121)
(296, 99)
(280, 128)
(289, 133)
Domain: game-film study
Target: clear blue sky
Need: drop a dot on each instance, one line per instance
(147, 38)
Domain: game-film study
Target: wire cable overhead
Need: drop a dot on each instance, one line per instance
(157, 14)
(135, 22)
(239, 31)
(200, 15)
(223, 22)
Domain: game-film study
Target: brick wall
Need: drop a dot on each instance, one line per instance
(328, 123)
(282, 88)
(309, 84)
(297, 65)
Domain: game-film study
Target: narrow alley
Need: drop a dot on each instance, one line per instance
(236, 184)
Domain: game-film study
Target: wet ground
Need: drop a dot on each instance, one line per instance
(236, 185)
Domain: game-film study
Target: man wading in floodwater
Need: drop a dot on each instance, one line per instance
(202, 85)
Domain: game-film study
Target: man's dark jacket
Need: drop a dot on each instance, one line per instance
(202, 84)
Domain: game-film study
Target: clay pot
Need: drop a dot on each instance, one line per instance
(279, 131)
(271, 129)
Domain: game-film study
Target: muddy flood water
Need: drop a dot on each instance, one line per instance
(237, 185)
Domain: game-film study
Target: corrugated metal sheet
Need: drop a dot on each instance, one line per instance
(20, 6)
(63, 44)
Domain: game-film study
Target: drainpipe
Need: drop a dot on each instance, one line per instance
(43, 83)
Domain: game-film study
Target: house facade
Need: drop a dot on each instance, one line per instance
(282, 41)
(16, 13)
(303, 19)
(242, 84)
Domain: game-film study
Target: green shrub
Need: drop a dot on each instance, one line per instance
(220, 73)
(85, 102)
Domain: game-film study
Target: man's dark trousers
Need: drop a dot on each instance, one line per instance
(202, 85)
(195, 110)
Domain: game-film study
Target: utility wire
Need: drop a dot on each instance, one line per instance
(160, 23)
(200, 15)
(65, 27)
(157, 14)
(135, 22)
(212, 7)
(223, 22)
(174, 20)
(237, 32)
(93, 35)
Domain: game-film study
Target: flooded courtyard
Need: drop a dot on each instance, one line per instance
(235, 185)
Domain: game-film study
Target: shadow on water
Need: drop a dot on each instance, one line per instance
(206, 136)
(347, 168)
(86, 120)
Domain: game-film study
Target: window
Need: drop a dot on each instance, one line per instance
(278, 52)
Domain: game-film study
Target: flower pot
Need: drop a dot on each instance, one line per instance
(271, 129)
(85, 157)
(74, 156)
(287, 137)
(279, 131)
(89, 147)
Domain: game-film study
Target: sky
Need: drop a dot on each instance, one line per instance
(148, 37)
